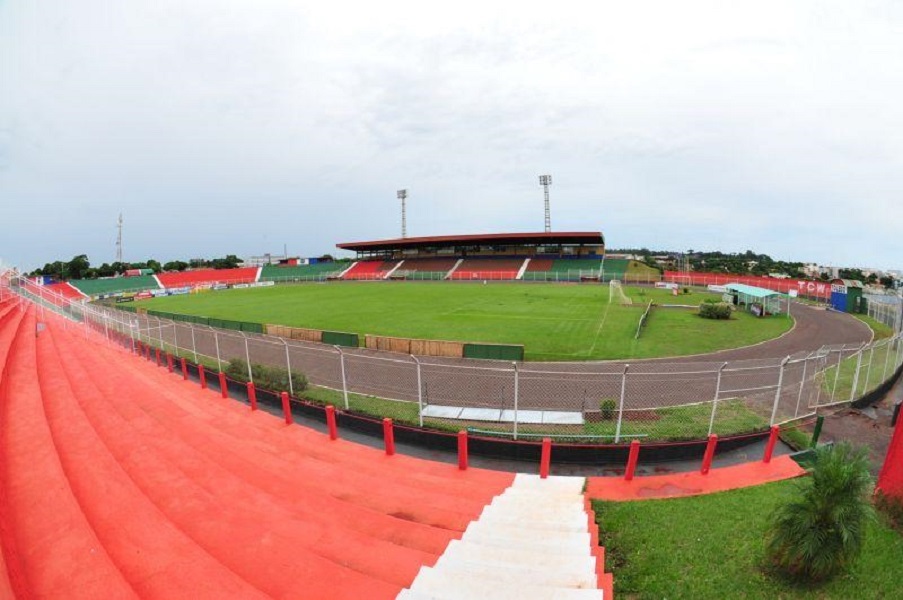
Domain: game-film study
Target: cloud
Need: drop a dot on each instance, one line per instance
(233, 127)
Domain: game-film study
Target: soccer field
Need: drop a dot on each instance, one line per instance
(553, 321)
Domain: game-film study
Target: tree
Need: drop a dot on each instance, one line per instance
(820, 531)
(77, 268)
(175, 265)
(887, 281)
(105, 270)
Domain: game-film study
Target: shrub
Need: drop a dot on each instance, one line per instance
(820, 531)
(607, 407)
(715, 310)
(274, 379)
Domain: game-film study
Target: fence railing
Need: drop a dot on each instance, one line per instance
(591, 401)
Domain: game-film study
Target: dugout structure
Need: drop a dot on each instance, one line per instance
(756, 300)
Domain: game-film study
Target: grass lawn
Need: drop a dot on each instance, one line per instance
(552, 321)
(713, 547)
(883, 362)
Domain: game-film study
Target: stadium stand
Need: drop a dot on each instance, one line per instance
(65, 290)
(219, 502)
(112, 285)
(562, 269)
(488, 268)
(370, 269)
(615, 268)
(424, 268)
(200, 277)
(315, 271)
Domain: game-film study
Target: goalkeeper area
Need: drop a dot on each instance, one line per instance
(554, 322)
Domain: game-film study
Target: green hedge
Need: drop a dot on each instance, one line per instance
(715, 310)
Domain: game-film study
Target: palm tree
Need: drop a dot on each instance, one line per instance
(820, 531)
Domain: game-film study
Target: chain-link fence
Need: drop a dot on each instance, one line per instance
(593, 402)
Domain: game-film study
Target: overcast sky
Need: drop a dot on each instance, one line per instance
(218, 126)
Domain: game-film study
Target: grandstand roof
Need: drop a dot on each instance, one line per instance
(569, 237)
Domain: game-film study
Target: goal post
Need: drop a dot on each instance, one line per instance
(616, 292)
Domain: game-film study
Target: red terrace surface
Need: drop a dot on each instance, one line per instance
(805, 287)
(120, 480)
(693, 483)
(208, 276)
(65, 290)
(369, 269)
(890, 480)
(567, 237)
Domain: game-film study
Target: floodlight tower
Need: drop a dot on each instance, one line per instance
(119, 240)
(545, 181)
(403, 195)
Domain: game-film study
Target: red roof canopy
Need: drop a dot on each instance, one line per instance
(542, 237)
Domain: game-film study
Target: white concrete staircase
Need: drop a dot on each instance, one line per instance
(532, 541)
(395, 268)
(523, 269)
(453, 269)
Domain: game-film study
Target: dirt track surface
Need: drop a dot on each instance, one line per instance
(752, 373)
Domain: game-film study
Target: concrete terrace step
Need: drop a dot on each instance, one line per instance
(532, 541)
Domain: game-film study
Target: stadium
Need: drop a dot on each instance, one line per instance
(240, 385)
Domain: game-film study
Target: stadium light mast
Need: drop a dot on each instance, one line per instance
(119, 240)
(545, 181)
(403, 196)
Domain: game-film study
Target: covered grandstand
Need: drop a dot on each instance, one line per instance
(542, 256)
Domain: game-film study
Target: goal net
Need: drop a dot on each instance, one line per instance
(616, 292)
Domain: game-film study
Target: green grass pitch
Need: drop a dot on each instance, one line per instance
(562, 322)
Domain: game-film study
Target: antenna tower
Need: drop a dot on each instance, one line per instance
(119, 240)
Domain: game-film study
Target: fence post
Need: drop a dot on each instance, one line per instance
(175, 338)
(545, 458)
(203, 375)
(709, 454)
(184, 369)
(868, 370)
(777, 394)
(219, 363)
(772, 440)
(330, 422)
(462, 450)
(223, 385)
(419, 391)
(632, 459)
(344, 379)
(799, 397)
(715, 399)
(288, 367)
(389, 436)
(837, 373)
(194, 347)
(252, 395)
(887, 353)
(621, 404)
(248, 356)
(856, 374)
(516, 392)
(169, 362)
(816, 433)
(286, 408)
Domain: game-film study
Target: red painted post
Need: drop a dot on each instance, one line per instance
(330, 422)
(223, 385)
(632, 459)
(545, 458)
(157, 354)
(169, 361)
(462, 450)
(184, 369)
(203, 375)
(709, 454)
(146, 352)
(252, 395)
(772, 440)
(389, 436)
(287, 409)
